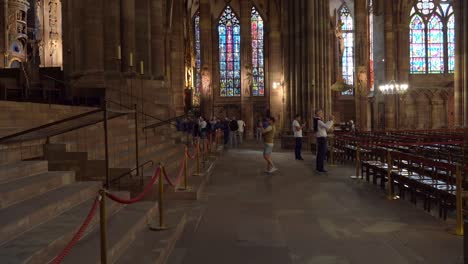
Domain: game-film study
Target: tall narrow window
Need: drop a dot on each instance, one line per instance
(432, 37)
(347, 27)
(229, 54)
(371, 46)
(417, 45)
(258, 61)
(198, 81)
(451, 43)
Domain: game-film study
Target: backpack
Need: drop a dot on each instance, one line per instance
(233, 125)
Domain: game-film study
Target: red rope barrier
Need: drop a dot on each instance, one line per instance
(179, 176)
(59, 258)
(138, 198)
(191, 157)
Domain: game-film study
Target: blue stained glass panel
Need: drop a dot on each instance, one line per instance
(198, 81)
(348, 54)
(417, 45)
(451, 43)
(256, 25)
(229, 53)
(435, 46)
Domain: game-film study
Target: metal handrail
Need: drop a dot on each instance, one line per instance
(52, 124)
(129, 172)
(164, 122)
(52, 78)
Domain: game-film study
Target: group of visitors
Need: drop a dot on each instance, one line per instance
(233, 129)
(320, 128)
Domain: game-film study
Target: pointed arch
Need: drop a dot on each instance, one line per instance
(229, 53)
(258, 59)
(347, 61)
(432, 37)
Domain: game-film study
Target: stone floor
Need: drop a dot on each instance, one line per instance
(298, 216)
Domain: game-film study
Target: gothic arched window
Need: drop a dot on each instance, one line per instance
(198, 81)
(229, 54)
(432, 37)
(347, 28)
(258, 60)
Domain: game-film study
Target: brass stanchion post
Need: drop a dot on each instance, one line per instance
(358, 163)
(390, 192)
(161, 200)
(103, 225)
(198, 158)
(459, 202)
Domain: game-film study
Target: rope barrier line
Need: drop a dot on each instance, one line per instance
(59, 258)
(138, 198)
(179, 176)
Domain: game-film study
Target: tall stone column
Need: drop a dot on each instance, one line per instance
(246, 59)
(361, 62)
(465, 64)
(94, 37)
(157, 39)
(389, 62)
(143, 36)
(112, 36)
(3, 32)
(276, 65)
(128, 33)
(206, 58)
(177, 63)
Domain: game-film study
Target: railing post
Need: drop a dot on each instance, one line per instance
(106, 144)
(198, 157)
(358, 163)
(390, 192)
(186, 169)
(137, 149)
(103, 225)
(459, 202)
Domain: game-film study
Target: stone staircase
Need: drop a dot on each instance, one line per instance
(41, 210)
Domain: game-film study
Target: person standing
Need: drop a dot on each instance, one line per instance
(225, 127)
(269, 137)
(320, 129)
(297, 129)
(240, 130)
(233, 127)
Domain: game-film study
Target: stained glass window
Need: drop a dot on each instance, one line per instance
(432, 37)
(198, 82)
(258, 67)
(229, 54)
(451, 43)
(418, 45)
(371, 46)
(348, 55)
(435, 45)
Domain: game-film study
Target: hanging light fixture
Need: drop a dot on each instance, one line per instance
(394, 88)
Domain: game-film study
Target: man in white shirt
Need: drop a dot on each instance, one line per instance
(320, 128)
(297, 129)
(240, 130)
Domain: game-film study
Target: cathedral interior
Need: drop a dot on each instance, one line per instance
(70, 69)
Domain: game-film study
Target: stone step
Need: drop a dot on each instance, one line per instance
(122, 230)
(156, 247)
(21, 169)
(25, 188)
(41, 244)
(25, 215)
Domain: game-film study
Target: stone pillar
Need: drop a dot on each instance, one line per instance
(389, 62)
(128, 33)
(94, 36)
(206, 38)
(143, 36)
(157, 39)
(465, 64)
(112, 35)
(246, 59)
(361, 63)
(177, 62)
(275, 62)
(3, 32)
